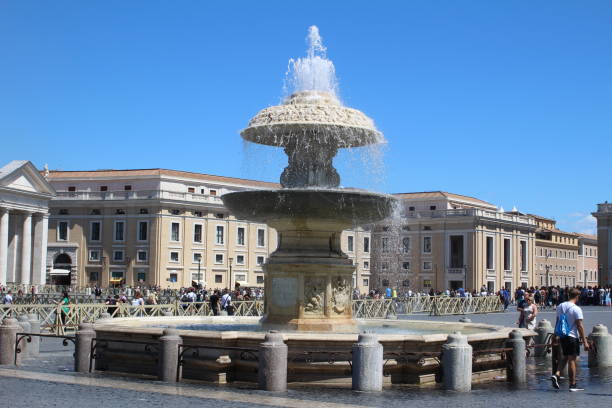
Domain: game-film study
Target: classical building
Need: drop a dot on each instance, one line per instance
(604, 242)
(161, 227)
(587, 260)
(556, 254)
(24, 199)
(443, 240)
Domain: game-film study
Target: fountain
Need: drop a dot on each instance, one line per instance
(308, 278)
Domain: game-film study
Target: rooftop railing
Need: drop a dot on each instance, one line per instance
(137, 195)
(471, 212)
(605, 207)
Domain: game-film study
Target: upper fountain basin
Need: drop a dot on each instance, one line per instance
(307, 115)
(309, 208)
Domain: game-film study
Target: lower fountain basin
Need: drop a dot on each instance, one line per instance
(228, 352)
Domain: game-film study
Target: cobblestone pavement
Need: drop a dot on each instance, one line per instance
(50, 382)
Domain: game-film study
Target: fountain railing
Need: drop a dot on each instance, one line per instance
(60, 319)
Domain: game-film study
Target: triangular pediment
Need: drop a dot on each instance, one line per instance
(21, 175)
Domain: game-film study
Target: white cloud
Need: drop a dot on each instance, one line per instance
(583, 223)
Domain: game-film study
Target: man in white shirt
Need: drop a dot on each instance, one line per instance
(226, 303)
(571, 344)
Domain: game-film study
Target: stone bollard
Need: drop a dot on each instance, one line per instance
(465, 320)
(8, 330)
(272, 368)
(82, 347)
(601, 356)
(517, 369)
(544, 329)
(26, 327)
(34, 346)
(457, 363)
(168, 355)
(367, 363)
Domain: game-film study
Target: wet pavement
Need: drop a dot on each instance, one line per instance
(50, 381)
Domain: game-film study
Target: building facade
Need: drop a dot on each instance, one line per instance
(443, 240)
(588, 273)
(159, 227)
(556, 255)
(604, 242)
(24, 201)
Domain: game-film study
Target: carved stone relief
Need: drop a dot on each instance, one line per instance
(314, 295)
(341, 293)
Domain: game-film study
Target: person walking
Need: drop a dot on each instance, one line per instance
(570, 315)
(214, 302)
(530, 311)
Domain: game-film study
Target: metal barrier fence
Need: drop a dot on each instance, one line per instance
(61, 318)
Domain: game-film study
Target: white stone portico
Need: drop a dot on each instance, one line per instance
(24, 217)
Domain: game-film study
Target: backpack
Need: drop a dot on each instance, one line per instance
(562, 328)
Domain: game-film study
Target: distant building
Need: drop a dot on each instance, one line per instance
(604, 242)
(162, 227)
(556, 255)
(24, 200)
(587, 260)
(443, 240)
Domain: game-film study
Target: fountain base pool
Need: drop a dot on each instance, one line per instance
(227, 350)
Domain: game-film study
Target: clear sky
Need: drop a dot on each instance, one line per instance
(508, 101)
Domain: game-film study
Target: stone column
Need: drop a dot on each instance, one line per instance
(457, 363)
(517, 372)
(272, 370)
(168, 355)
(4, 228)
(8, 330)
(82, 347)
(601, 355)
(39, 262)
(367, 363)
(24, 322)
(26, 249)
(544, 329)
(35, 329)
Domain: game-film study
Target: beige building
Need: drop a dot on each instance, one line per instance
(443, 240)
(24, 200)
(604, 242)
(556, 255)
(587, 260)
(160, 227)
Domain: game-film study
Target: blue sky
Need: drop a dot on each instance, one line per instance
(508, 101)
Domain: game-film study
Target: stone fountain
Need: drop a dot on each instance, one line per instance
(308, 278)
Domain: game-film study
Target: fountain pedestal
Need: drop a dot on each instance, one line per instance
(308, 297)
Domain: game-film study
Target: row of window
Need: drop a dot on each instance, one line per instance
(558, 280)
(556, 253)
(587, 275)
(427, 266)
(427, 283)
(507, 254)
(350, 244)
(405, 245)
(142, 255)
(128, 187)
(119, 232)
(561, 268)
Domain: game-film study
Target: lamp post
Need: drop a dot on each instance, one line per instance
(547, 271)
(231, 260)
(199, 274)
